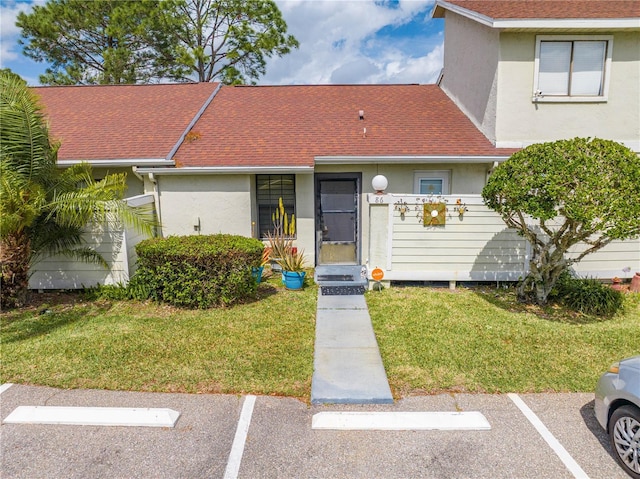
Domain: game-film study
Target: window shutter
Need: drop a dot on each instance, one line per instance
(588, 66)
(555, 61)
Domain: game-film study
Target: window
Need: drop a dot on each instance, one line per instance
(575, 68)
(431, 182)
(269, 190)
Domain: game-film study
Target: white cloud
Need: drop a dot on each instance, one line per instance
(339, 44)
(341, 41)
(9, 33)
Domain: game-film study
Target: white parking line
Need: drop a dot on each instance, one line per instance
(562, 453)
(237, 449)
(400, 421)
(5, 386)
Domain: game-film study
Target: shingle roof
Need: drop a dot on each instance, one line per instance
(290, 125)
(552, 9)
(120, 122)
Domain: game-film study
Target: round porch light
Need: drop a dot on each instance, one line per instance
(379, 183)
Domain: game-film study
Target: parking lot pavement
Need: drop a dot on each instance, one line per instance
(280, 442)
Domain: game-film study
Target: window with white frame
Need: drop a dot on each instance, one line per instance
(431, 182)
(572, 68)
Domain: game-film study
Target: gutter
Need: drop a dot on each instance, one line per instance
(341, 160)
(113, 163)
(227, 170)
(536, 23)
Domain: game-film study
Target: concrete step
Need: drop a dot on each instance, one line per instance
(337, 276)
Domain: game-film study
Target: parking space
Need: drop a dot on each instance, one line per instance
(280, 442)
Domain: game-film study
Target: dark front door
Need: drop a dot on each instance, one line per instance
(337, 236)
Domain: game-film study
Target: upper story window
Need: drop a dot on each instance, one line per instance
(572, 68)
(269, 190)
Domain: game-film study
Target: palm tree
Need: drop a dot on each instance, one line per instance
(43, 209)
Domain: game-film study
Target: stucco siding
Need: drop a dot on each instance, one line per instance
(212, 203)
(471, 55)
(522, 121)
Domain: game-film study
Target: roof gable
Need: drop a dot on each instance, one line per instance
(121, 122)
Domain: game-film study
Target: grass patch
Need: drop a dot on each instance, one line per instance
(431, 340)
(263, 347)
(485, 341)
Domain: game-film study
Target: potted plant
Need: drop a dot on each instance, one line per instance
(266, 257)
(292, 263)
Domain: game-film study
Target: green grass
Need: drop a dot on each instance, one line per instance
(431, 341)
(485, 341)
(263, 347)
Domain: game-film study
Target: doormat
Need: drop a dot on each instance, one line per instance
(342, 290)
(335, 277)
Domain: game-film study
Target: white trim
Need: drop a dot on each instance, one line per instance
(125, 162)
(536, 23)
(229, 170)
(341, 160)
(391, 198)
(473, 276)
(570, 23)
(139, 200)
(536, 97)
(390, 234)
(550, 439)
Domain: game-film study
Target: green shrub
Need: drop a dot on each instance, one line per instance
(116, 292)
(196, 271)
(588, 296)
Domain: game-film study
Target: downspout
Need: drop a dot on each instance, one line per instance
(156, 195)
(156, 200)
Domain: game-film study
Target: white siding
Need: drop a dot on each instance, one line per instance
(114, 243)
(475, 247)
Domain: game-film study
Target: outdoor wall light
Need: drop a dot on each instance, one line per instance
(379, 184)
(361, 114)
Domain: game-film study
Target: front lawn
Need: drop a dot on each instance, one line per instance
(431, 341)
(264, 347)
(485, 341)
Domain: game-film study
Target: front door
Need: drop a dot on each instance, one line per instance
(337, 235)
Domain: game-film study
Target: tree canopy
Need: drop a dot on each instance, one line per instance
(144, 41)
(576, 195)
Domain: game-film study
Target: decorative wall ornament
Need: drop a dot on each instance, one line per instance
(402, 207)
(460, 208)
(434, 214)
(432, 211)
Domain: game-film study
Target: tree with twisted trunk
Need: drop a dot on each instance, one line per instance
(568, 199)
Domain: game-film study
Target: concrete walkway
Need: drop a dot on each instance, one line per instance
(348, 368)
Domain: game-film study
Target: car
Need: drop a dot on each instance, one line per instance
(617, 409)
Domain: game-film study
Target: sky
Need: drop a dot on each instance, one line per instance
(341, 42)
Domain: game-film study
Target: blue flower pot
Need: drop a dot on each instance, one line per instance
(257, 273)
(293, 279)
